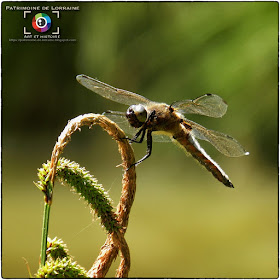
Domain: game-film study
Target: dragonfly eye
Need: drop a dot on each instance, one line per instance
(136, 115)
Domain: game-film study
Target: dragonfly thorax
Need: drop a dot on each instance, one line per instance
(136, 115)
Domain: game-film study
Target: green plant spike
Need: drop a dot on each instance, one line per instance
(59, 263)
(57, 249)
(61, 268)
(86, 186)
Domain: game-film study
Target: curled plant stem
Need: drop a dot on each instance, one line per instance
(115, 240)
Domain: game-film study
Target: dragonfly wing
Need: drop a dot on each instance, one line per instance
(210, 105)
(121, 120)
(160, 137)
(112, 93)
(224, 143)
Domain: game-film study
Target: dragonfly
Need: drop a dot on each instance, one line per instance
(165, 122)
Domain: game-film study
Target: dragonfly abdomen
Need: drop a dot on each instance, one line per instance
(193, 147)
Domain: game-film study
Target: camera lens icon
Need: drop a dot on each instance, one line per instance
(41, 22)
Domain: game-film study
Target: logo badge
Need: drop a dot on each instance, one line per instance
(41, 22)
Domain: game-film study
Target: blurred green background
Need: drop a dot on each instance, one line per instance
(184, 223)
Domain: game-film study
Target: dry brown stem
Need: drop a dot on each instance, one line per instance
(115, 241)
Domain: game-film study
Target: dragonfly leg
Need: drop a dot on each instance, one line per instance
(143, 131)
(149, 149)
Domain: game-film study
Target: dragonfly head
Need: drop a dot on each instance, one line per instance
(136, 115)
